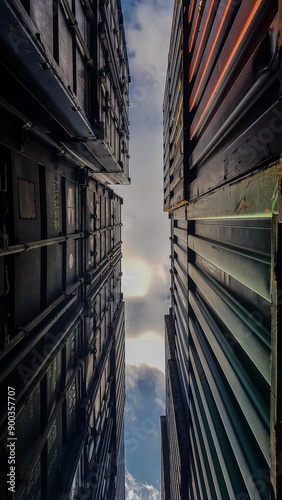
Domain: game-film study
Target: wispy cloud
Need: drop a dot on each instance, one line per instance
(147, 348)
(143, 372)
(148, 42)
(139, 491)
(144, 405)
(146, 228)
(146, 238)
(145, 313)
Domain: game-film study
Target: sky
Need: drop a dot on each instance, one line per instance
(146, 249)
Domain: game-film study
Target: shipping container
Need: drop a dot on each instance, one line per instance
(225, 211)
(64, 66)
(60, 301)
(222, 103)
(64, 134)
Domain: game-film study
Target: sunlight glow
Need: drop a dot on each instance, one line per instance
(147, 348)
(136, 277)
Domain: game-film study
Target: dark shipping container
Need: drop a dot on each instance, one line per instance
(222, 187)
(60, 252)
(56, 350)
(65, 67)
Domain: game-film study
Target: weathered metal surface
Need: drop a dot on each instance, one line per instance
(64, 331)
(229, 285)
(254, 196)
(173, 117)
(225, 259)
(229, 373)
(76, 76)
(229, 91)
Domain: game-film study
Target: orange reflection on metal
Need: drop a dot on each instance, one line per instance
(191, 72)
(191, 11)
(238, 42)
(211, 51)
(194, 31)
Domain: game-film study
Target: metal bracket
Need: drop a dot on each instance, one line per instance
(24, 133)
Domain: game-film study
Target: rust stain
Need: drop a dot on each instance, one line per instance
(238, 204)
(245, 207)
(178, 205)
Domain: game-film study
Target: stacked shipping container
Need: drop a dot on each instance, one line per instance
(63, 131)
(62, 322)
(222, 188)
(66, 69)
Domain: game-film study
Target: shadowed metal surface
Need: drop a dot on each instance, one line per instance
(225, 248)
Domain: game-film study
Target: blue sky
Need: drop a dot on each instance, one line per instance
(146, 245)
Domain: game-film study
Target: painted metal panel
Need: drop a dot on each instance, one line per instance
(229, 375)
(173, 116)
(29, 417)
(225, 267)
(42, 16)
(70, 59)
(65, 41)
(232, 110)
(54, 383)
(58, 356)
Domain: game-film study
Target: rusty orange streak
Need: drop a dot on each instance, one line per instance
(211, 51)
(194, 31)
(235, 48)
(201, 41)
(191, 11)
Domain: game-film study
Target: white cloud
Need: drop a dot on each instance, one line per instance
(144, 405)
(139, 491)
(144, 372)
(146, 238)
(151, 376)
(147, 349)
(148, 40)
(136, 277)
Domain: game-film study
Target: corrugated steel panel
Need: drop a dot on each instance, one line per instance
(228, 379)
(74, 65)
(231, 80)
(173, 116)
(58, 352)
(225, 238)
(29, 417)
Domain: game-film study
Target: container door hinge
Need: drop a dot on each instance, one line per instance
(24, 134)
(59, 160)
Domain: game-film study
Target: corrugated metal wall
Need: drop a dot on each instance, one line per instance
(229, 352)
(234, 96)
(174, 185)
(62, 323)
(226, 354)
(227, 72)
(225, 246)
(65, 66)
